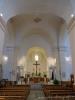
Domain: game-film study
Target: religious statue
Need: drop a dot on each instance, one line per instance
(52, 75)
(72, 79)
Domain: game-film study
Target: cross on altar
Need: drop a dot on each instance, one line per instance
(36, 64)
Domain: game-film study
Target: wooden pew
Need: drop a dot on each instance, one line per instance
(12, 98)
(57, 90)
(20, 91)
(61, 98)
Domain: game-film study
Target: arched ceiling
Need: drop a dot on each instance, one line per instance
(61, 8)
(20, 15)
(25, 26)
(27, 21)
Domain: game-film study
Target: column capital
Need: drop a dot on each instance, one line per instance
(71, 24)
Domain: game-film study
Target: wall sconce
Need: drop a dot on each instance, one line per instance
(5, 58)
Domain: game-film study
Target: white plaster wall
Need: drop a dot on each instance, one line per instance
(34, 41)
(72, 42)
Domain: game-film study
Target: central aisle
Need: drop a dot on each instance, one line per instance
(36, 92)
(36, 95)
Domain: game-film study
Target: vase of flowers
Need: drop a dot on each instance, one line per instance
(45, 75)
(39, 74)
(56, 82)
(28, 78)
(33, 74)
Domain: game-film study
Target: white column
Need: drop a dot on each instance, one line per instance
(1, 44)
(2, 36)
(72, 42)
(10, 50)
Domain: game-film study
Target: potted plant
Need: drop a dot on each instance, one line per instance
(56, 82)
(45, 75)
(33, 74)
(39, 74)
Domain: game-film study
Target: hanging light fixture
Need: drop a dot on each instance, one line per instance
(5, 58)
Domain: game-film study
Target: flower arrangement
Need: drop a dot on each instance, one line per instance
(39, 74)
(33, 74)
(45, 75)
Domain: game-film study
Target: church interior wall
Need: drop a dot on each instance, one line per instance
(72, 41)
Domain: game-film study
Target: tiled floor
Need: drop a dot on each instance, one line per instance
(36, 95)
(36, 92)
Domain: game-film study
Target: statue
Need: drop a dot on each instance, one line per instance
(52, 75)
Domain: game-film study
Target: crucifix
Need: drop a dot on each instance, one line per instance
(36, 63)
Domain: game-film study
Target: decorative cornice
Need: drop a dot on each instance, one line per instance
(71, 24)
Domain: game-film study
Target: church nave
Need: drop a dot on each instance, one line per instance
(37, 50)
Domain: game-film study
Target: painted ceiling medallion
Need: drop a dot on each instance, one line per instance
(37, 19)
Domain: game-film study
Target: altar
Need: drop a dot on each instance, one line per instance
(38, 79)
